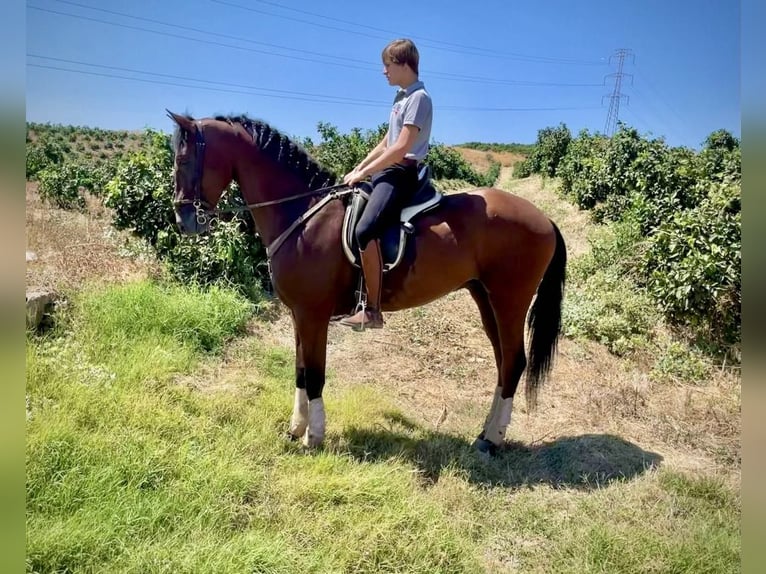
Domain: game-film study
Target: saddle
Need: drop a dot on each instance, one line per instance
(394, 239)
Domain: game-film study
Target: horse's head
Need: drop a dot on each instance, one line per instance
(201, 171)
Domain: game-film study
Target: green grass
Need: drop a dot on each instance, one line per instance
(130, 471)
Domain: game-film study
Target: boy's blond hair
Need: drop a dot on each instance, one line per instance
(402, 51)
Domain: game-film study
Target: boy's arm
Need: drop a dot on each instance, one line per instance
(374, 153)
(390, 155)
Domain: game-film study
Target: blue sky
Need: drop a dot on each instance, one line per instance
(498, 71)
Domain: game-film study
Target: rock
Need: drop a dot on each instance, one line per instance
(39, 302)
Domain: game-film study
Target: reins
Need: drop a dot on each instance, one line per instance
(318, 191)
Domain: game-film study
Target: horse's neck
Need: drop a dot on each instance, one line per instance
(261, 182)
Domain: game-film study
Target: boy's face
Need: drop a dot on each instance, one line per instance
(394, 73)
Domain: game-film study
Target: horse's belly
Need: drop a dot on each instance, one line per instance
(434, 274)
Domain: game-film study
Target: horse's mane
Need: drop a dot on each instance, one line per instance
(284, 151)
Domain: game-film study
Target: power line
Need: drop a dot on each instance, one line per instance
(658, 96)
(192, 29)
(366, 64)
(389, 33)
(340, 99)
(193, 39)
(161, 82)
(251, 90)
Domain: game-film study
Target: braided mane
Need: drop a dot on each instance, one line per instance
(284, 151)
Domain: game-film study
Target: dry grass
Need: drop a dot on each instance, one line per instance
(71, 248)
(480, 160)
(436, 364)
(573, 222)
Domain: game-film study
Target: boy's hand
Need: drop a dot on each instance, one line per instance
(353, 177)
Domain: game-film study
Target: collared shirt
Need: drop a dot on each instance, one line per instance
(412, 106)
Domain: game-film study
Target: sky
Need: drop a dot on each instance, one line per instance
(497, 70)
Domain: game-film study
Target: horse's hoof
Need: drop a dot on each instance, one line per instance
(312, 441)
(290, 436)
(485, 447)
(297, 430)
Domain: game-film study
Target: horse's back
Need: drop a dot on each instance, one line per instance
(472, 235)
(491, 214)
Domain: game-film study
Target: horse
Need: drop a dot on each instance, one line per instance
(500, 247)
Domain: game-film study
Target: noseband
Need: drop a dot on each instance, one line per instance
(202, 207)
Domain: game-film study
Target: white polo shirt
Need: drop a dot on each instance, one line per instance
(412, 106)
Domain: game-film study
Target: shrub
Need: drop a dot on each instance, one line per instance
(61, 185)
(693, 265)
(342, 152)
(608, 309)
(42, 154)
(447, 163)
(141, 194)
(684, 212)
(522, 169)
(550, 147)
(604, 302)
(582, 170)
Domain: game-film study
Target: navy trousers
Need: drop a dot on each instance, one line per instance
(392, 188)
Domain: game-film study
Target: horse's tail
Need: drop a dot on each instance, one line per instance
(545, 320)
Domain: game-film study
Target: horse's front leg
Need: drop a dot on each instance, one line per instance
(299, 421)
(308, 419)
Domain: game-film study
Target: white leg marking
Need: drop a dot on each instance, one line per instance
(498, 424)
(495, 400)
(300, 419)
(315, 433)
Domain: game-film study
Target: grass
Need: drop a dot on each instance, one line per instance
(156, 417)
(129, 469)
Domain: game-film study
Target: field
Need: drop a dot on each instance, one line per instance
(155, 418)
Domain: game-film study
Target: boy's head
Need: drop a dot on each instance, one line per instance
(402, 51)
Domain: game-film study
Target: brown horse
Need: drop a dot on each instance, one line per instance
(497, 245)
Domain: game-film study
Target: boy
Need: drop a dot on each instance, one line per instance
(393, 165)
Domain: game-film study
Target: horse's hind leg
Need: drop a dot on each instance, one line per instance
(510, 312)
(481, 297)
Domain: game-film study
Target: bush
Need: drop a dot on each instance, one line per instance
(608, 309)
(42, 154)
(61, 185)
(583, 170)
(693, 266)
(141, 195)
(604, 302)
(550, 147)
(684, 212)
(522, 169)
(447, 163)
(340, 153)
(141, 192)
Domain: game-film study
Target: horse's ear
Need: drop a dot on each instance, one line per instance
(183, 122)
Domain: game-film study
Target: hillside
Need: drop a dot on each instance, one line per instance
(84, 143)
(481, 160)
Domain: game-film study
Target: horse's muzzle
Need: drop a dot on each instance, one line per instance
(190, 221)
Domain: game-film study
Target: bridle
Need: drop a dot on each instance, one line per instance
(206, 213)
(197, 200)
